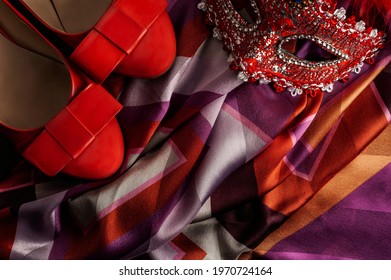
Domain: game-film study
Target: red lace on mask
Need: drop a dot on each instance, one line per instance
(258, 48)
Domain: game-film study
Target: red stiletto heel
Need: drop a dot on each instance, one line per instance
(130, 37)
(60, 120)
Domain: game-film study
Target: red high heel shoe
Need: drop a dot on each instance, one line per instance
(56, 117)
(130, 37)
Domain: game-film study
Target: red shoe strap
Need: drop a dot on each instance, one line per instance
(72, 130)
(115, 36)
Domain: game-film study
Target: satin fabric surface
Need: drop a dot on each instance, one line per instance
(219, 169)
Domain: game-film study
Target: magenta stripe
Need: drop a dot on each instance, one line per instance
(180, 254)
(297, 132)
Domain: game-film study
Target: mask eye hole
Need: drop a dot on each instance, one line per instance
(308, 50)
(247, 15)
(300, 3)
(247, 10)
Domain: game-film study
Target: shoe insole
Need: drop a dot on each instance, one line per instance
(34, 82)
(72, 16)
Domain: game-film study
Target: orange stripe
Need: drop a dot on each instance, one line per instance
(382, 144)
(345, 182)
(366, 112)
(269, 168)
(289, 196)
(362, 121)
(268, 165)
(323, 122)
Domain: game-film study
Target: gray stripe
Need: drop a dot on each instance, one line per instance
(36, 228)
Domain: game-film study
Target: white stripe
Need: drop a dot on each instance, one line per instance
(215, 240)
(231, 145)
(208, 71)
(36, 228)
(149, 169)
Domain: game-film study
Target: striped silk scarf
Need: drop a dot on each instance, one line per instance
(220, 169)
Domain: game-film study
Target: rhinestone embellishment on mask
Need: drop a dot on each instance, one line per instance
(257, 47)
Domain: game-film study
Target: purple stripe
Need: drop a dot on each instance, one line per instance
(302, 256)
(373, 195)
(297, 132)
(201, 127)
(144, 113)
(247, 219)
(359, 227)
(37, 224)
(136, 241)
(181, 12)
(298, 155)
(250, 99)
(178, 218)
(306, 163)
(198, 100)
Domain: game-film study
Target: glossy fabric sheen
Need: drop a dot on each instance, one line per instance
(219, 169)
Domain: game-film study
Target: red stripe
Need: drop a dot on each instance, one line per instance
(191, 250)
(361, 123)
(269, 168)
(127, 216)
(7, 233)
(193, 34)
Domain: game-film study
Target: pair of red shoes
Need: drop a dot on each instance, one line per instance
(52, 104)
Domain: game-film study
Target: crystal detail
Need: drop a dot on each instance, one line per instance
(257, 51)
(243, 76)
(263, 81)
(295, 91)
(360, 26)
(202, 6)
(357, 69)
(373, 33)
(340, 13)
(217, 34)
(328, 88)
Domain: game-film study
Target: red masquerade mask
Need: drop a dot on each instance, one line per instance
(259, 48)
